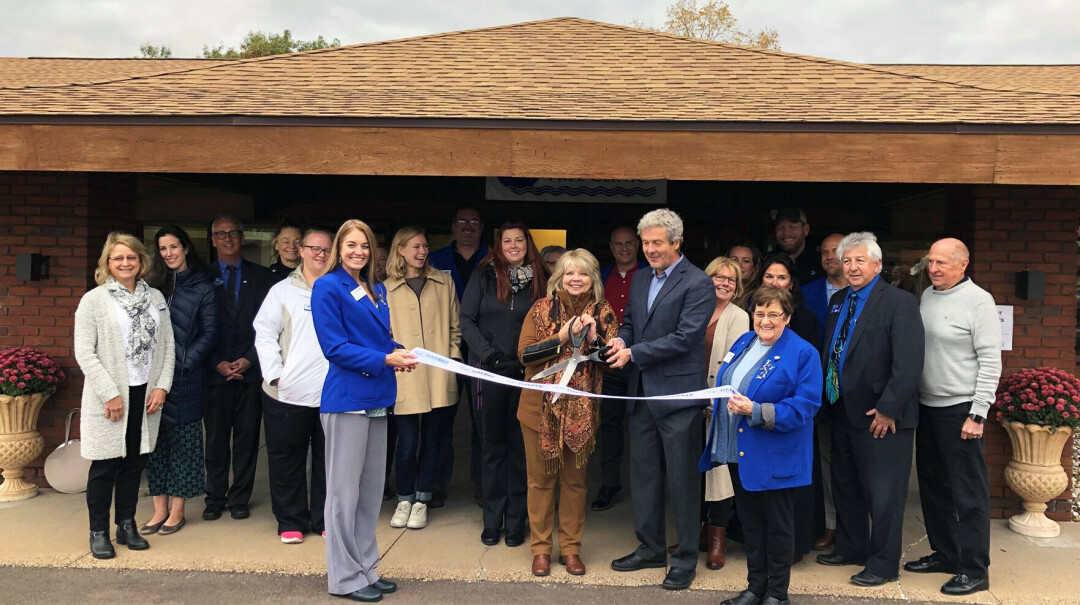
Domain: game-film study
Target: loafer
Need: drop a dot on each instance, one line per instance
(869, 578)
(932, 563)
(962, 584)
(367, 594)
(211, 513)
(172, 529)
(152, 528)
(678, 579)
(100, 545)
(605, 498)
(745, 598)
(826, 541)
(240, 511)
(632, 562)
(573, 564)
(127, 535)
(541, 565)
(515, 538)
(490, 536)
(838, 560)
(384, 586)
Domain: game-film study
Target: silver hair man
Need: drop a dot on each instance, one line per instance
(857, 239)
(665, 218)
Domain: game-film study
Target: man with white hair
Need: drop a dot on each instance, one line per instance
(872, 368)
(959, 380)
(663, 335)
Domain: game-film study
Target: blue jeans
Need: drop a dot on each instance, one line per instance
(420, 434)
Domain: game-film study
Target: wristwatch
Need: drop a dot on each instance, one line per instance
(977, 418)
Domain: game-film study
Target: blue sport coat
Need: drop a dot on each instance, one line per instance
(789, 381)
(815, 300)
(354, 335)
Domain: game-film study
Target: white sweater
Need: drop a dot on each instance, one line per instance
(288, 348)
(963, 347)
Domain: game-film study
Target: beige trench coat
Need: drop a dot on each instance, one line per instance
(432, 323)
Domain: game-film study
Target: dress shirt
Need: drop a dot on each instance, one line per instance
(861, 295)
(224, 266)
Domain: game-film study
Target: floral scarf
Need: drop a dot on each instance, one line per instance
(571, 422)
(136, 305)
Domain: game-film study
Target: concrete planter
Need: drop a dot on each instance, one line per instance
(20, 443)
(1036, 475)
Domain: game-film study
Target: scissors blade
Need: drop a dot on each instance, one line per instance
(551, 371)
(567, 375)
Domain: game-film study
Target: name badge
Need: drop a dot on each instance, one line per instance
(835, 309)
(728, 357)
(358, 293)
(161, 307)
(446, 271)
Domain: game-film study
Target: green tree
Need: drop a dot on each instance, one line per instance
(260, 44)
(149, 51)
(712, 21)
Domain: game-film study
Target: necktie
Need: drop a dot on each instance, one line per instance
(230, 283)
(832, 375)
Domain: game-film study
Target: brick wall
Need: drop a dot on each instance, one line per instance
(66, 217)
(1013, 229)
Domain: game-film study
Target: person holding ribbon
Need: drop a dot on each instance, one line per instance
(560, 431)
(764, 433)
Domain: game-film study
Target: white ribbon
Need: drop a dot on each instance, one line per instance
(434, 359)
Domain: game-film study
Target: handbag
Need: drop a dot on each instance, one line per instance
(65, 468)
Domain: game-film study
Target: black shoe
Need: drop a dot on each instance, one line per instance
(438, 498)
(678, 579)
(745, 598)
(100, 545)
(933, 563)
(384, 586)
(837, 560)
(367, 594)
(632, 562)
(775, 601)
(605, 498)
(128, 534)
(515, 538)
(962, 584)
(212, 513)
(490, 536)
(240, 511)
(868, 578)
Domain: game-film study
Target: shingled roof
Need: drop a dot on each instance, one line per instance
(1057, 79)
(565, 69)
(50, 71)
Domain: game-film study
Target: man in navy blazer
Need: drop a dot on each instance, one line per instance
(233, 403)
(663, 335)
(872, 368)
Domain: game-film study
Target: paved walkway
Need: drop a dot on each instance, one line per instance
(51, 531)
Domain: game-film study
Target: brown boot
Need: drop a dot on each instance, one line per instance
(825, 542)
(717, 546)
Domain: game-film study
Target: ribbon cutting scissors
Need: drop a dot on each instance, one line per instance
(569, 366)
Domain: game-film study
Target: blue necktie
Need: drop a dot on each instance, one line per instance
(832, 376)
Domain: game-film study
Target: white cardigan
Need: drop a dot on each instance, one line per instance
(99, 351)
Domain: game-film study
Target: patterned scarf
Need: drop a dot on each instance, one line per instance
(571, 422)
(136, 305)
(520, 278)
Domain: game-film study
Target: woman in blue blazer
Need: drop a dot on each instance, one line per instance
(352, 322)
(765, 435)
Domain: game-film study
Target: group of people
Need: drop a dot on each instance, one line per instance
(828, 393)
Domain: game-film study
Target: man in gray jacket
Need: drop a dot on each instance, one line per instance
(960, 376)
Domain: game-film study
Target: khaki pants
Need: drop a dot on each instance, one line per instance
(541, 499)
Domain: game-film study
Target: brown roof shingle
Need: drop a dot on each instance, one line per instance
(48, 71)
(1059, 79)
(559, 69)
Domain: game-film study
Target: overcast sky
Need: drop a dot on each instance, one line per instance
(869, 31)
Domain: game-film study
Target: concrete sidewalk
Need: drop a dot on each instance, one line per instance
(51, 531)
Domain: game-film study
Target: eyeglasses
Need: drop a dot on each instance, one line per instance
(724, 278)
(772, 316)
(120, 259)
(316, 251)
(232, 234)
(468, 221)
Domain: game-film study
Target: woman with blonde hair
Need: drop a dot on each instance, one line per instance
(423, 313)
(124, 346)
(560, 434)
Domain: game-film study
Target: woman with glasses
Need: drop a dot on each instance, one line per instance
(124, 347)
(293, 371)
(286, 245)
(175, 470)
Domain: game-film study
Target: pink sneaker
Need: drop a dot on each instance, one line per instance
(292, 537)
(324, 534)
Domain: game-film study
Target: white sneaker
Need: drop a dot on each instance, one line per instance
(401, 514)
(418, 517)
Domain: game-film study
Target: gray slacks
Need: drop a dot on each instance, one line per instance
(355, 471)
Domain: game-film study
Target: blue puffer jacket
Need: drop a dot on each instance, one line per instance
(193, 307)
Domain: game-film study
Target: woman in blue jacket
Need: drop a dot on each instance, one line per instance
(765, 433)
(352, 323)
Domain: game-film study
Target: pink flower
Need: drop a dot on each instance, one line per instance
(21, 385)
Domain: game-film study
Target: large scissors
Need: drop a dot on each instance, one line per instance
(569, 366)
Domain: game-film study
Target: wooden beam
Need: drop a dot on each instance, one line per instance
(676, 155)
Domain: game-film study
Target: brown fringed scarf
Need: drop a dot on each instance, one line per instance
(571, 421)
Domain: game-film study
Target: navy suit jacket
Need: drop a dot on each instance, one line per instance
(668, 342)
(236, 331)
(790, 380)
(354, 335)
(817, 301)
(884, 358)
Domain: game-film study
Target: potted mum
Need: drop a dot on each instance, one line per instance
(27, 378)
(1040, 409)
